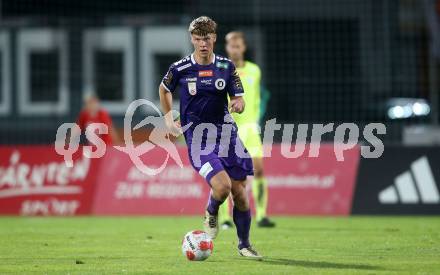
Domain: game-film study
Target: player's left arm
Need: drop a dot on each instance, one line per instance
(236, 92)
(236, 105)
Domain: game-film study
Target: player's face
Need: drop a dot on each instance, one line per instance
(235, 49)
(203, 45)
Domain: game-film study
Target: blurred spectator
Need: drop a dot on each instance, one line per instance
(93, 112)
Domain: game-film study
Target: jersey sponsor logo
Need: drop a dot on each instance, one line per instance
(192, 88)
(220, 84)
(249, 80)
(191, 79)
(223, 65)
(184, 67)
(205, 73)
(207, 81)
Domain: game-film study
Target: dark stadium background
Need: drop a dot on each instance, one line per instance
(323, 61)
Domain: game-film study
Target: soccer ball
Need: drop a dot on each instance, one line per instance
(197, 245)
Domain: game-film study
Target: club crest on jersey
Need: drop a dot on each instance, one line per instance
(192, 88)
(205, 73)
(220, 84)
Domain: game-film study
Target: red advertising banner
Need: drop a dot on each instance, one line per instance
(311, 185)
(124, 190)
(34, 180)
(304, 185)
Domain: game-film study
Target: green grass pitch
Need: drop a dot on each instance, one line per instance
(147, 245)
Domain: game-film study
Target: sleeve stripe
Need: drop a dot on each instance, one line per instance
(240, 94)
(166, 88)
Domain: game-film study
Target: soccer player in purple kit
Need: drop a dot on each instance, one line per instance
(205, 81)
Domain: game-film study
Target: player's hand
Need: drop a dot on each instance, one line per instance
(174, 128)
(236, 105)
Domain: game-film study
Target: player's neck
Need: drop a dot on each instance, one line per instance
(239, 63)
(203, 60)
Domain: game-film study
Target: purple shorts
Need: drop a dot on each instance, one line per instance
(231, 156)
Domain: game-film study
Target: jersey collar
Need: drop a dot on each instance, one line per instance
(194, 61)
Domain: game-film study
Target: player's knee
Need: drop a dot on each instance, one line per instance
(241, 202)
(221, 188)
(258, 167)
(240, 199)
(224, 190)
(258, 172)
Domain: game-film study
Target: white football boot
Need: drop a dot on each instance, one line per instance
(250, 253)
(211, 225)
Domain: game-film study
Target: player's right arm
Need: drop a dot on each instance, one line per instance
(166, 102)
(168, 84)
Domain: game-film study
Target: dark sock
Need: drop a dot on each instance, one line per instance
(242, 220)
(213, 205)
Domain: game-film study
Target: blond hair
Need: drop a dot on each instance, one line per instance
(202, 26)
(234, 35)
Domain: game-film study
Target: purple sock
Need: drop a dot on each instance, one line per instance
(242, 220)
(213, 205)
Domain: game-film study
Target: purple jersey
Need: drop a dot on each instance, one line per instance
(204, 93)
(203, 88)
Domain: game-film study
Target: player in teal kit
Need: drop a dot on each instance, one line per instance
(205, 82)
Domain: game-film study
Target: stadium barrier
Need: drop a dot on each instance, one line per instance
(34, 180)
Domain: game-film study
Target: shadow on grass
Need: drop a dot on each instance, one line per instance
(318, 264)
(325, 229)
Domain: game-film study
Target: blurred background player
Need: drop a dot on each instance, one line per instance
(93, 112)
(247, 123)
